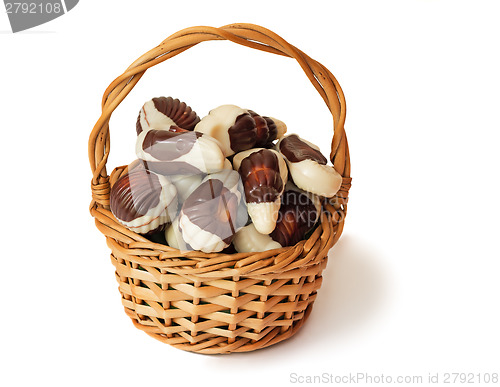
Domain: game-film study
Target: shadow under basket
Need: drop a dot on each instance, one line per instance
(218, 303)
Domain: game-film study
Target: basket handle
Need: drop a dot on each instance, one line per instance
(249, 35)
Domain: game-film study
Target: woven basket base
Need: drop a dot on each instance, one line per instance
(219, 345)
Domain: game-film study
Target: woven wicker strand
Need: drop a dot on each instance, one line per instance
(218, 303)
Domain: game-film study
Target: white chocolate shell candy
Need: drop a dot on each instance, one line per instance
(179, 153)
(230, 180)
(219, 120)
(173, 236)
(227, 164)
(164, 112)
(264, 180)
(143, 201)
(307, 166)
(239, 129)
(186, 184)
(264, 215)
(209, 217)
(249, 240)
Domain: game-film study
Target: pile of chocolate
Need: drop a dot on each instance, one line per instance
(231, 181)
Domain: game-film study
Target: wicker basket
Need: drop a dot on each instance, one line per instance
(218, 303)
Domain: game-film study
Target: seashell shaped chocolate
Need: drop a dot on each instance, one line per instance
(143, 201)
(298, 214)
(186, 184)
(179, 153)
(164, 112)
(249, 240)
(267, 130)
(264, 175)
(239, 129)
(307, 166)
(211, 215)
(173, 236)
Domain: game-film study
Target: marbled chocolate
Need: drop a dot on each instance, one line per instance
(261, 177)
(172, 153)
(162, 112)
(143, 201)
(296, 150)
(166, 145)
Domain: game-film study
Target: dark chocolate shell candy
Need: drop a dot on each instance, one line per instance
(267, 130)
(297, 216)
(243, 133)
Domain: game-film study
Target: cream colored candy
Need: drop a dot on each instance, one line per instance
(173, 237)
(239, 129)
(230, 179)
(309, 174)
(264, 215)
(185, 184)
(227, 164)
(151, 118)
(249, 240)
(164, 112)
(179, 153)
(217, 123)
(200, 239)
(322, 180)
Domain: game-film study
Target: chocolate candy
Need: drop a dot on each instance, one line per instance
(307, 166)
(179, 153)
(210, 216)
(186, 184)
(268, 129)
(264, 175)
(283, 169)
(239, 129)
(298, 214)
(143, 201)
(173, 236)
(249, 240)
(164, 112)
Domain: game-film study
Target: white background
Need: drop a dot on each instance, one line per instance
(413, 286)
